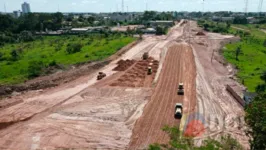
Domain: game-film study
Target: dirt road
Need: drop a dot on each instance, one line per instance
(78, 114)
(221, 113)
(178, 67)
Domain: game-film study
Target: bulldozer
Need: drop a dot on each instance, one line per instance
(101, 75)
(145, 56)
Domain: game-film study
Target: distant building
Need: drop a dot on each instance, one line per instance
(162, 23)
(25, 8)
(17, 13)
(252, 20)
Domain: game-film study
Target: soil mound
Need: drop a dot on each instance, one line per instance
(124, 65)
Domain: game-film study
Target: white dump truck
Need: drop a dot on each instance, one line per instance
(178, 110)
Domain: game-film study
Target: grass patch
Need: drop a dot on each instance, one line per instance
(51, 50)
(252, 59)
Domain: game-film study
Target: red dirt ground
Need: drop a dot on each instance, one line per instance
(137, 76)
(179, 66)
(123, 65)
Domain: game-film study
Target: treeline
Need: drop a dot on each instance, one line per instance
(31, 22)
(16, 30)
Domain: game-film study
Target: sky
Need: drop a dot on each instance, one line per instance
(130, 5)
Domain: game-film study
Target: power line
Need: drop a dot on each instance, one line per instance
(122, 6)
(260, 6)
(246, 6)
(5, 7)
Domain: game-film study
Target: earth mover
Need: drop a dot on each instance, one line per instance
(149, 71)
(180, 89)
(101, 75)
(145, 56)
(178, 110)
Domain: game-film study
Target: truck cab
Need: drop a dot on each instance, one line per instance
(178, 110)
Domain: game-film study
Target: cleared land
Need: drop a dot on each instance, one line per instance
(178, 67)
(51, 51)
(221, 113)
(84, 113)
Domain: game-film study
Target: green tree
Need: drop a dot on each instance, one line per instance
(73, 48)
(238, 51)
(256, 119)
(35, 68)
(263, 76)
(264, 43)
(26, 36)
(1, 55)
(14, 54)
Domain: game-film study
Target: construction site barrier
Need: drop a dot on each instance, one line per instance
(235, 95)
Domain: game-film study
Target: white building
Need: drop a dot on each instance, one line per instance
(17, 13)
(25, 8)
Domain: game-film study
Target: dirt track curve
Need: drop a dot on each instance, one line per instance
(179, 66)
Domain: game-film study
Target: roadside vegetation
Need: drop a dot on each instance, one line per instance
(26, 60)
(256, 119)
(177, 141)
(248, 55)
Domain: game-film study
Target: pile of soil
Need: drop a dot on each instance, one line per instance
(137, 76)
(200, 33)
(124, 65)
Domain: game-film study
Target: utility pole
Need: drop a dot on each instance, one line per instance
(146, 6)
(5, 7)
(260, 6)
(122, 6)
(246, 6)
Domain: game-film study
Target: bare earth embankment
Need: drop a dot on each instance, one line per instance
(85, 113)
(222, 113)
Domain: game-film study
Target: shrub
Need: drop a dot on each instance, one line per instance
(1, 55)
(35, 68)
(53, 63)
(14, 54)
(73, 48)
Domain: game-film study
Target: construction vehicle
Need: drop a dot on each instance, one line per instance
(149, 71)
(178, 110)
(180, 89)
(101, 75)
(145, 56)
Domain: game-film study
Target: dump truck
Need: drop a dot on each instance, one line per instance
(101, 75)
(149, 71)
(178, 110)
(145, 56)
(180, 89)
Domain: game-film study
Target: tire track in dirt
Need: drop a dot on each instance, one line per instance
(166, 96)
(160, 109)
(179, 78)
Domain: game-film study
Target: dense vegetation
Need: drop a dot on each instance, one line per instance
(256, 119)
(248, 55)
(177, 141)
(21, 61)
